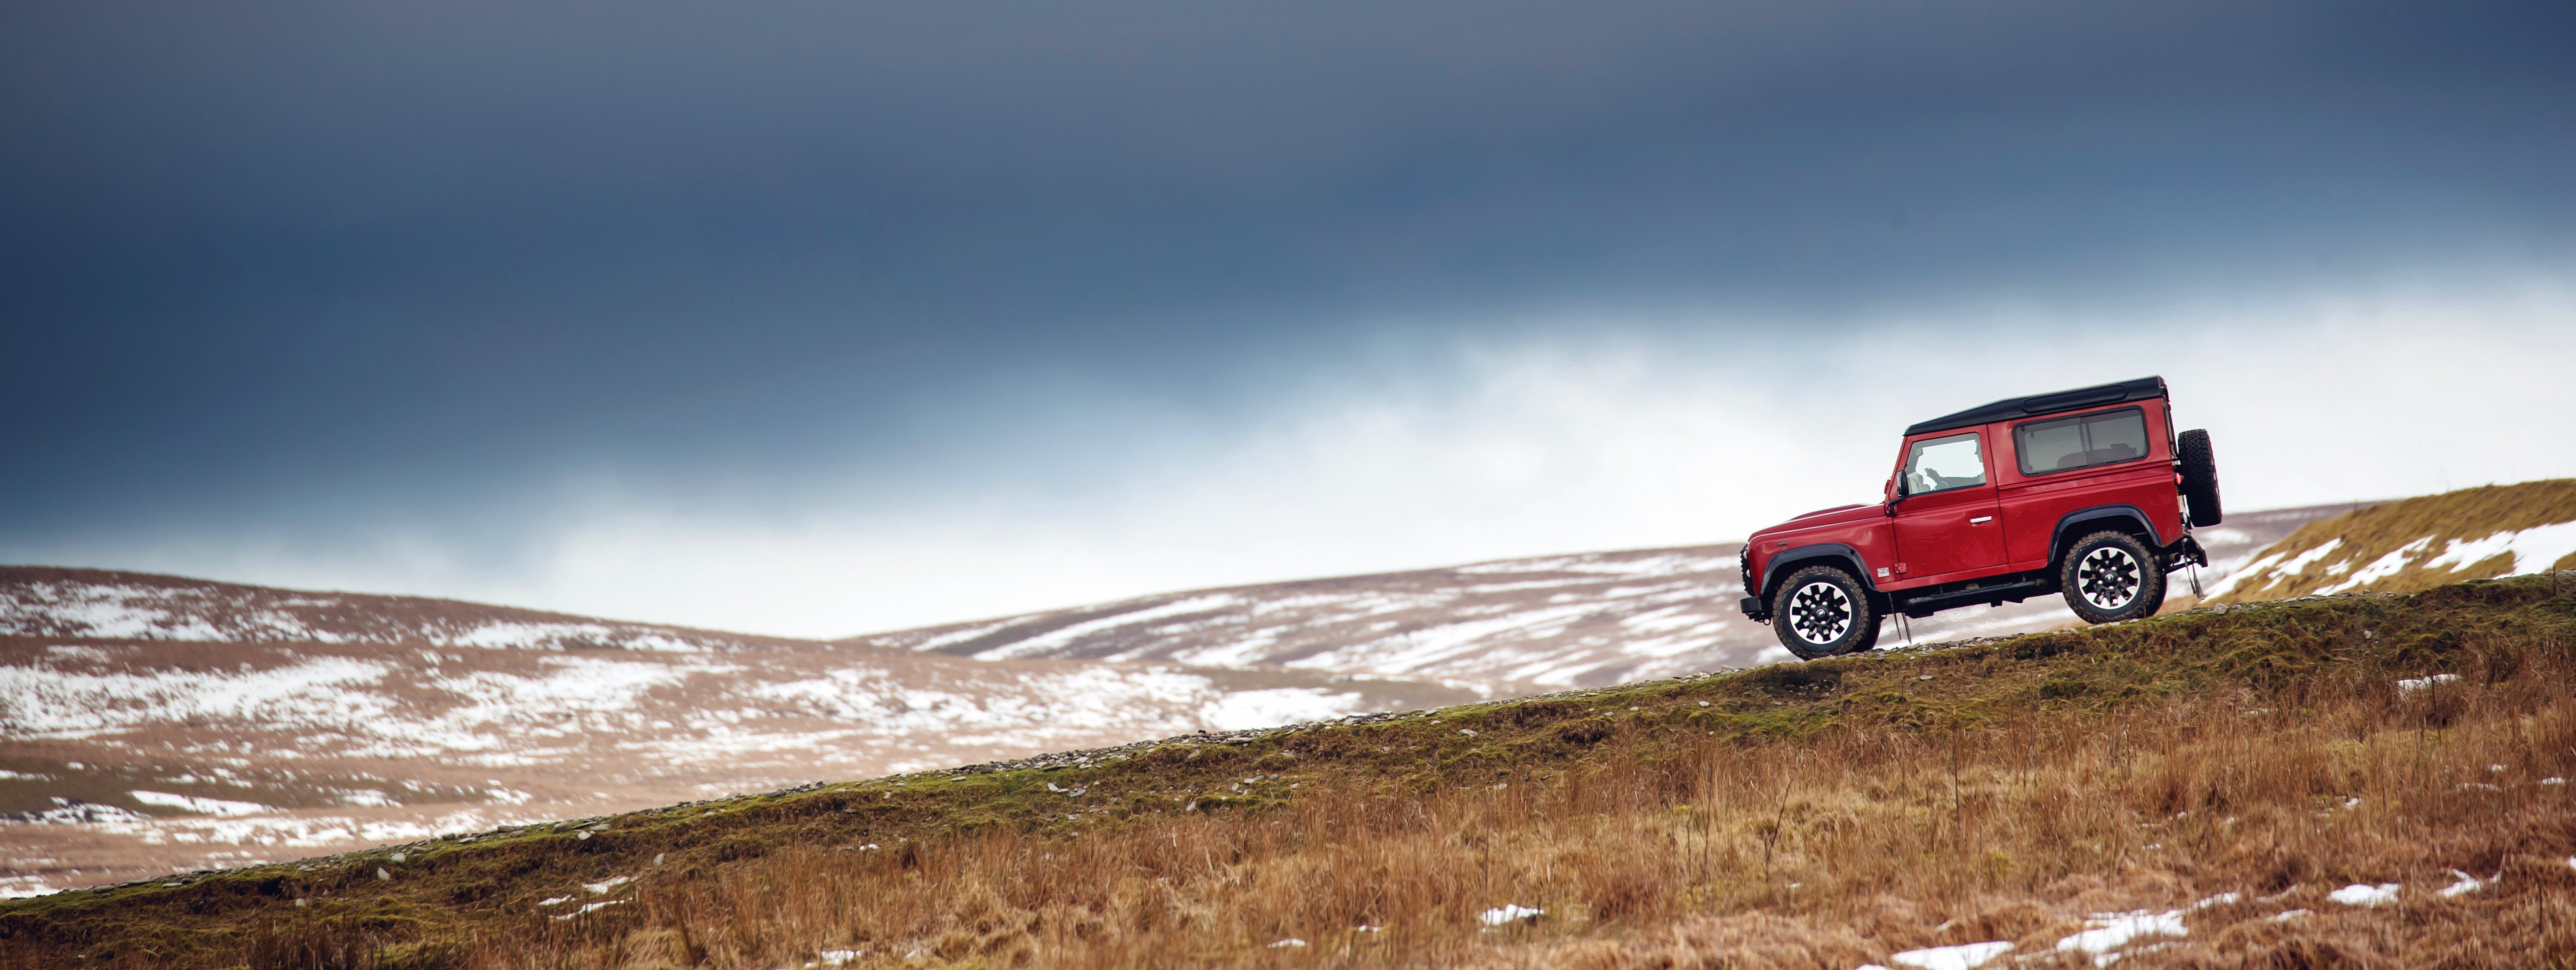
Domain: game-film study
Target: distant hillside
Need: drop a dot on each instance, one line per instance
(1509, 627)
(107, 604)
(151, 723)
(2418, 543)
(2346, 781)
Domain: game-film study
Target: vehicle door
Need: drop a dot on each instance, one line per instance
(1946, 509)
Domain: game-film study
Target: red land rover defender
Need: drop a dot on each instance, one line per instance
(2088, 493)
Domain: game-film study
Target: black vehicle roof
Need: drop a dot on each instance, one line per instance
(2144, 388)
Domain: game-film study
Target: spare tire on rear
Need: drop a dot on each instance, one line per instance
(2199, 470)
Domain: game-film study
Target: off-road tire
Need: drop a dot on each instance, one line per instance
(2111, 576)
(2199, 468)
(1823, 602)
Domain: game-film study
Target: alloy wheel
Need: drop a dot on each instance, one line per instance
(1820, 613)
(2108, 578)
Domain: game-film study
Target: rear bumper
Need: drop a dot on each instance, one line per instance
(2185, 551)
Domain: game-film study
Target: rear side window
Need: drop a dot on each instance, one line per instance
(2082, 441)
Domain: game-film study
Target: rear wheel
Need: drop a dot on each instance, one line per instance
(1821, 611)
(2199, 468)
(2111, 576)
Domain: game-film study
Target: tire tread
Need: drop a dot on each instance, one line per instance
(1865, 614)
(2199, 468)
(2151, 578)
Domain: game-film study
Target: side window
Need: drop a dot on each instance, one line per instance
(1940, 464)
(2082, 441)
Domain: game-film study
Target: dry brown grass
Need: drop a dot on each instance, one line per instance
(1710, 852)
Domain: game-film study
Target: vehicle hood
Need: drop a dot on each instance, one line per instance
(1833, 516)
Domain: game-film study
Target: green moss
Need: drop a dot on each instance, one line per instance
(2063, 688)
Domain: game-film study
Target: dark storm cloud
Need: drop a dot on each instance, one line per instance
(300, 261)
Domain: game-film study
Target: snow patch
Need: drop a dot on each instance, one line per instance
(2106, 933)
(2465, 884)
(1065, 636)
(2533, 549)
(2363, 894)
(2227, 583)
(38, 703)
(296, 831)
(203, 806)
(2299, 563)
(2382, 567)
(1961, 957)
(588, 909)
(1665, 565)
(2413, 684)
(75, 812)
(1244, 710)
(13, 889)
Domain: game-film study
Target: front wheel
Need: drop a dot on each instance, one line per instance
(2110, 576)
(1821, 611)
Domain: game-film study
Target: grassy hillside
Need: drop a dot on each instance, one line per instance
(2201, 774)
(2418, 543)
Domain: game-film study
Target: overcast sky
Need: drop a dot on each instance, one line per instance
(825, 318)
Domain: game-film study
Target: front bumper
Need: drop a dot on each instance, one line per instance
(1751, 605)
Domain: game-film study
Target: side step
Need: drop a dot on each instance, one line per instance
(1996, 594)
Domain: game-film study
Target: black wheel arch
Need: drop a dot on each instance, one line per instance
(1820, 554)
(2118, 517)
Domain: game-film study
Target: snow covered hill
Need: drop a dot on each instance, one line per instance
(152, 722)
(41, 601)
(1506, 627)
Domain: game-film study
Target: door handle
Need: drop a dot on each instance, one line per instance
(1981, 518)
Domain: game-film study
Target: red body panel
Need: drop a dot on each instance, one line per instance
(1949, 535)
(1934, 538)
(1862, 527)
(1954, 534)
(2034, 504)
